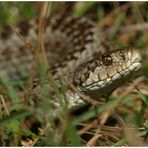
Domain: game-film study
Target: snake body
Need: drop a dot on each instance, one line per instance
(91, 63)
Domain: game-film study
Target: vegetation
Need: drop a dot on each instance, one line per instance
(121, 121)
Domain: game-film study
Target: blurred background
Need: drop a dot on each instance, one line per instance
(124, 22)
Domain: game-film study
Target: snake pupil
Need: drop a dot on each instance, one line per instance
(107, 61)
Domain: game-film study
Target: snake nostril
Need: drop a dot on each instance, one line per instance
(122, 56)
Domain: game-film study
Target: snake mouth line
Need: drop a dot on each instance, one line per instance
(101, 84)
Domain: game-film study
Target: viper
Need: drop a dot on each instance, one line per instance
(77, 51)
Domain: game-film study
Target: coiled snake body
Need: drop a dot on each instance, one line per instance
(74, 47)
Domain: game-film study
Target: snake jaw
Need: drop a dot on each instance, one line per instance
(101, 76)
(136, 60)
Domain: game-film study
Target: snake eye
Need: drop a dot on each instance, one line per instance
(107, 60)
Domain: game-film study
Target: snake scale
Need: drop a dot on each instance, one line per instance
(74, 47)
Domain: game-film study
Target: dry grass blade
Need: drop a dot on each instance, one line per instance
(84, 97)
(26, 42)
(87, 127)
(134, 84)
(4, 104)
(29, 142)
(35, 58)
(42, 24)
(93, 140)
(135, 27)
(115, 12)
(131, 137)
(34, 53)
(125, 93)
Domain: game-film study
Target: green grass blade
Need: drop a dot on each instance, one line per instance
(18, 115)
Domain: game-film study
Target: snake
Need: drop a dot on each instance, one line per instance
(75, 48)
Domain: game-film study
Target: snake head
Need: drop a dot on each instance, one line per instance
(101, 76)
